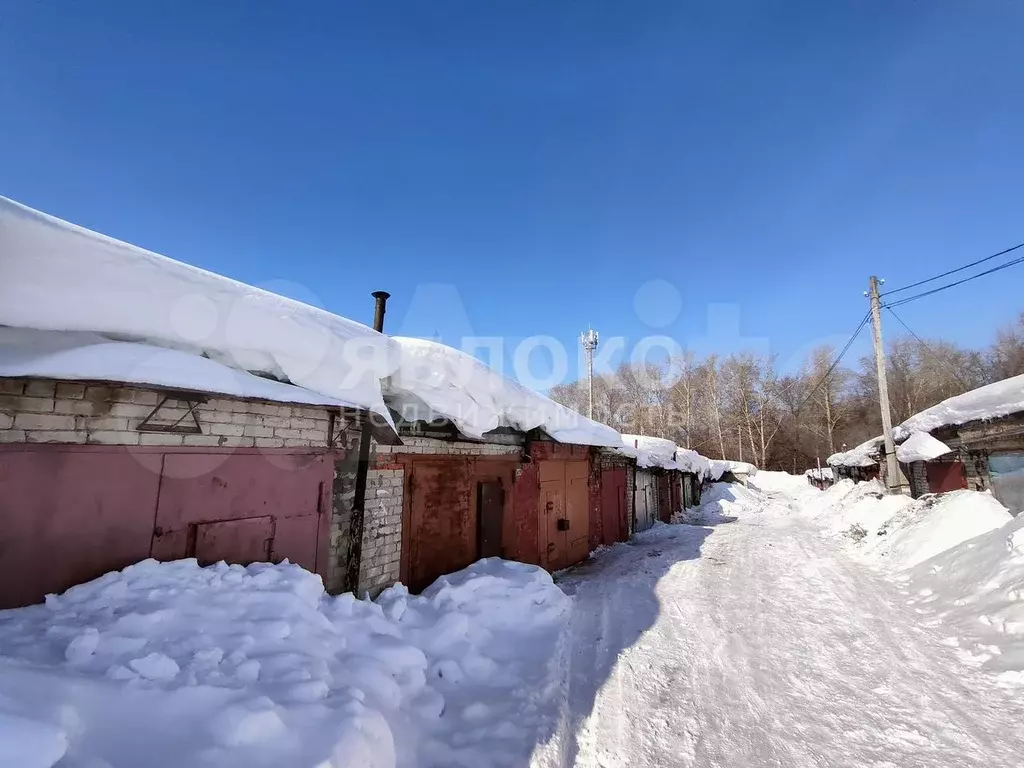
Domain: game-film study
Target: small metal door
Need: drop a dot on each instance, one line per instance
(491, 508)
(614, 526)
(235, 541)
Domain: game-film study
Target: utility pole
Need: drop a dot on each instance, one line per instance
(589, 339)
(892, 474)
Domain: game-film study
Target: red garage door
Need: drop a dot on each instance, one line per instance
(946, 476)
(72, 513)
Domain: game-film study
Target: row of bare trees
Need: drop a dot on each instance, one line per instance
(741, 407)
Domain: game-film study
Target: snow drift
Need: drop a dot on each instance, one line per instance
(170, 664)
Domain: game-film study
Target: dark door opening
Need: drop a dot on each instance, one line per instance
(491, 506)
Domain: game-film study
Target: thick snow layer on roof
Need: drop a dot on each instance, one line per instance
(663, 453)
(863, 455)
(82, 356)
(921, 446)
(824, 473)
(170, 664)
(989, 402)
(434, 380)
(719, 467)
(57, 276)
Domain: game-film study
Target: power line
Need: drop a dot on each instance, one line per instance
(917, 296)
(930, 351)
(835, 363)
(954, 271)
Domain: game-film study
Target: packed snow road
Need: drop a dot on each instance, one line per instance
(755, 642)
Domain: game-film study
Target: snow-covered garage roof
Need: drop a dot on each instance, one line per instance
(863, 455)
(661, 452)
(434, 380)
(720, 467)
(1001, 398)
(60, 277)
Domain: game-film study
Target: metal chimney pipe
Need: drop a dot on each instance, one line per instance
(358, 519)
(379, 309)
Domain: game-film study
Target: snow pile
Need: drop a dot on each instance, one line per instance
(782, 482)
(169, 664)
(864, 455)
(921, 446)
(934, 524)
(720, 467)
(989, 402)
(721, 503)
(57, 276)
(897, 531)
(83, 356)
(435, 381)
(977, 590)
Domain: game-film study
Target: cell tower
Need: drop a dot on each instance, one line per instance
(589, 339)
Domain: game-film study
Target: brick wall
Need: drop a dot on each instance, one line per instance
(381, 561)
(437, 447)
(918, 477)
(43, 411)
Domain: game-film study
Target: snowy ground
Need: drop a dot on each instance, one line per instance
(757, 642)
(752, 640)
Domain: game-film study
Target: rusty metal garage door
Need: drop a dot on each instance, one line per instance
(443, 533)
(72, 513)
(564, 512)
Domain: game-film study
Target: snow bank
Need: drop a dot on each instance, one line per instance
(721, 503)
(434, 380)
(86, 356)
(57, 276)
(921, 446)
(976, 590)
(169, 664)
(897, 531)
(783, 482)
(863, 455)
(989, 402)
(934, 524)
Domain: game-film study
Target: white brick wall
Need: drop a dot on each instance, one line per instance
(381, 561)
(430, 445)
(42, 411)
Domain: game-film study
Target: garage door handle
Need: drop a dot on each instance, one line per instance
(563, 524)
(158, 531)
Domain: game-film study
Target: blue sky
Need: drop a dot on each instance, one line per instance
(728, 174)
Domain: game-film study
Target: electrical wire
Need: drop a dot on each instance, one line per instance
(921, 295)
(930, 351)
(954, 271)
(835, 363)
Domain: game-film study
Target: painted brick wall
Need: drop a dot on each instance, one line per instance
(42, 411)
(434, 446)
(381, 561)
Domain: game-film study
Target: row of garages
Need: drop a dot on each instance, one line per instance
(125, 434)
(972, 441)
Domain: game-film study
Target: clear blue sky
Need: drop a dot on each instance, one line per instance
(547, 158)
